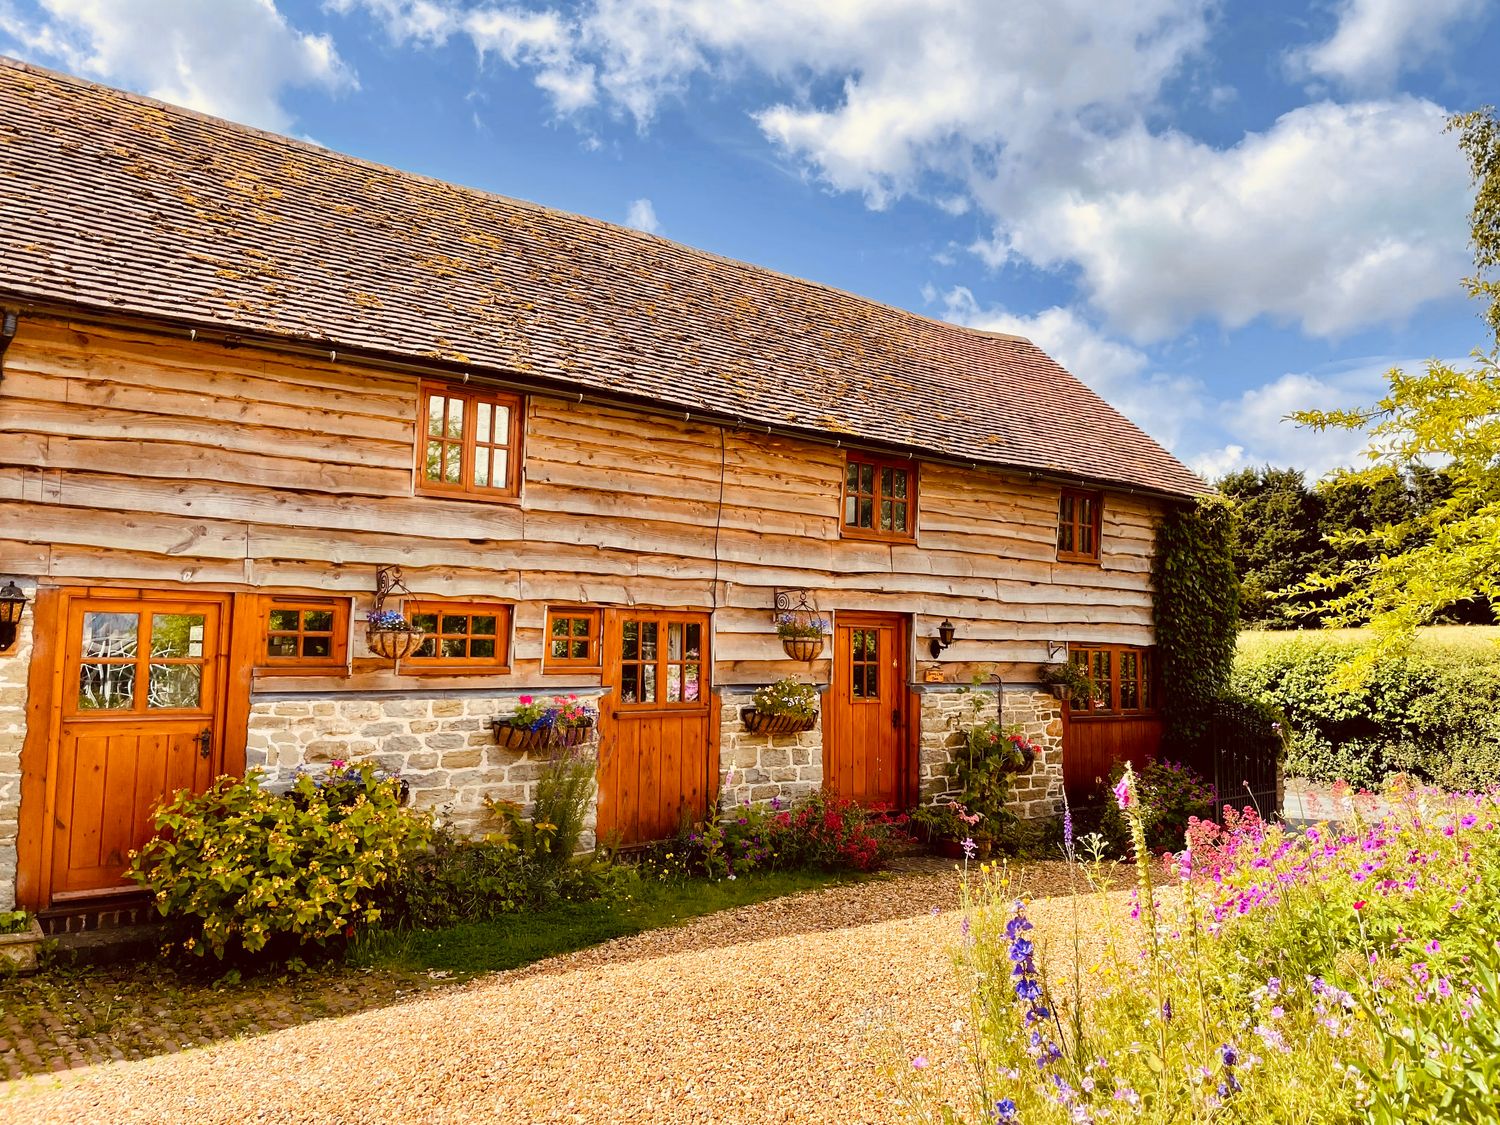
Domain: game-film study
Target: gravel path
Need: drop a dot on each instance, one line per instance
(804, 1009)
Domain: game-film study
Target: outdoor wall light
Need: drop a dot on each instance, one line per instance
(944, 638)
(12, 608)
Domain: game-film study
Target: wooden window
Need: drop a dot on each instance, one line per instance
(470, 444)
(1078, 522)
(880, 498)
(304, 632)
(572, 641)
(1123, 676)
(460, 636)
(662, 660)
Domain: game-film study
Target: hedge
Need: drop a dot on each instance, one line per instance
(1433, 713)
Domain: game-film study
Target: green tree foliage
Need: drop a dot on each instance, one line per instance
(1402, 574)
(1277, 542)
(1286, 531)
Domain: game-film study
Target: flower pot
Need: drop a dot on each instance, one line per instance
(802, 648)
(524, 740)
(1061, 691)
(393, 644)
(758, 722)
(18, 952)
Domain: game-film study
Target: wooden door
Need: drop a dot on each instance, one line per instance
(140, 717)
(864, 720)
(655, 729)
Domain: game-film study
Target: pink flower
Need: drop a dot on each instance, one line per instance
(919, 1062)
(1359, 904)
(1122, 793)
(525, 699)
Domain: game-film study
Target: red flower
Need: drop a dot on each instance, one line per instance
(1359, 904)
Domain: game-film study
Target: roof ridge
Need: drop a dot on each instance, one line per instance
(324, 152)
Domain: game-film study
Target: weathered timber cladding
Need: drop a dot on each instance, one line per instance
(136, 458)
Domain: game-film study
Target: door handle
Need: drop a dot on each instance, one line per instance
(205, 741)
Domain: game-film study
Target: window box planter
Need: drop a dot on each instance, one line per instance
(18, 952)
(524, 740)
(802, 648)
(761, 722)
(393, 644)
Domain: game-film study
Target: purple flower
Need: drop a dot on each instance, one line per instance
(969, 847)
(1122, 793)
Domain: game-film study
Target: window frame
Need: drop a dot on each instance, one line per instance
(338, 657)
(554, 665)
(472, 396)
(907, 465)
(498, 665)
(1096, 525)
(1144, 680)
(664, 619)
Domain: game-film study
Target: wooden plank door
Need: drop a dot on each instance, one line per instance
(655, 733)
(142, 687)
(864, 721)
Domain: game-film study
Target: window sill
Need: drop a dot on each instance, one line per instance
(1082, 560)
(511, 498)
(867, 535)
(411, 668)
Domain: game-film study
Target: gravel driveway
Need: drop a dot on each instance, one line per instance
(804, 1009)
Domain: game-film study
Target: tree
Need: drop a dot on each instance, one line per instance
(1276, 543)
(1401, 573)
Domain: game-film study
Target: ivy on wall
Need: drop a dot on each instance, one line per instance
(1196, 607)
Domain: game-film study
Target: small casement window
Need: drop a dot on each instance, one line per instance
(304, 632)
(470, 444)
(1123, 678)
(663, 660)
(880, 498)
(572, 642)
(1078, 520)
(460, 636)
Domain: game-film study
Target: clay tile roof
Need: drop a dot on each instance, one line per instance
(116, 202)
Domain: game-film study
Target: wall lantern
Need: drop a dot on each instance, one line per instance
(12, 608)
(946, 632)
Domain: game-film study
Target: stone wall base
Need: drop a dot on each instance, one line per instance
(948, 713)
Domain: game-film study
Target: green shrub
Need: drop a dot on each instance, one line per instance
(240, 869)
(1171, 794)
(787, 698)
(1433, 713)
(456, 880)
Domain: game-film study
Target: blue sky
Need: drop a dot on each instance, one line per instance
(1213, 213)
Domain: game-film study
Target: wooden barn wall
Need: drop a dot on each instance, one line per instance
(135, 459)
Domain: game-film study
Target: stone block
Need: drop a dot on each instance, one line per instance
(422, 760)
(461, 759)
(444, 741)
(447, 708)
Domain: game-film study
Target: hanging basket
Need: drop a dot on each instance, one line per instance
(524, 740)
(393, 644)
(758, 722)
(802, 648)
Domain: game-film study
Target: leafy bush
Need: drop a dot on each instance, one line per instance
(788, 698)
(240, 869)
(823, 832)
(1433, 713)
(1171, 796)
(14, 921)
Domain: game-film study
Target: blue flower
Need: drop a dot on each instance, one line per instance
(1229, 1055)
(1005, 1109)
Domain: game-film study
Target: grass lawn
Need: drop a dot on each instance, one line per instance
(1253, 642)
(513, 940)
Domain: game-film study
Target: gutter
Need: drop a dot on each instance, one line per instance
(542, 384)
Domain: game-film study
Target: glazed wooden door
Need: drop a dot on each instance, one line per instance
(864, 748)
(142, 683)
(655, 732)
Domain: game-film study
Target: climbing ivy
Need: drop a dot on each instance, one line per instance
(1196, 603)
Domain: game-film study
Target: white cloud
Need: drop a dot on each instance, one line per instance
(1162, 404)
(1037, 113)
(642, 216)
(1334, 218)
(542, 41)
(232, 58)
(1375, 40)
